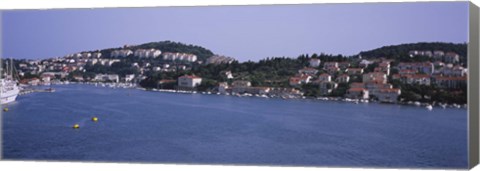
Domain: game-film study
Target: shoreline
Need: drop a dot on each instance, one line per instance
(337, 99)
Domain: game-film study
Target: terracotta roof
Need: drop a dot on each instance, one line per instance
(189, 76)
(356, 89)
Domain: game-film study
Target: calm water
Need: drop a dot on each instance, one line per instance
(141, 126)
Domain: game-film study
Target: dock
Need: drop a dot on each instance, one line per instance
(28, 91)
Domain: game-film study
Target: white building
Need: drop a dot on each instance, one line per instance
(217, 59)
(179, 56)
(357, 93)
(147, 53)
(129, 77)
(121, 53)
(107, 77)
(314, 62)
(189, 81)
(388, 95)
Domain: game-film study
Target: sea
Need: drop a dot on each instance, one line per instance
(138, 126)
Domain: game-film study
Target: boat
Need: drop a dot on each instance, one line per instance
(9, 87)
(429, 107)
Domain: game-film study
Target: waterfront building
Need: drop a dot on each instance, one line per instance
(357, 93)
(327, 87)
(241, 83)
(189, 81)
(107, 77)
(388, 95)
(129, 77)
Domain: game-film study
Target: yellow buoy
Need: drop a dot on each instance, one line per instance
(76, 126)
(5, 109)
(95, 119)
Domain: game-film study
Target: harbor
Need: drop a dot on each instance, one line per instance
(133, 125)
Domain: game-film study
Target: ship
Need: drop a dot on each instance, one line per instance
(9, 88)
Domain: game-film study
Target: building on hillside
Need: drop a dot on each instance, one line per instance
(344, 78)
(121, 53)
(354, 71)
(314, 62)
(375, 77)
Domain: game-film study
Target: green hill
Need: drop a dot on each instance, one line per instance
(401, 51)
(168, 46)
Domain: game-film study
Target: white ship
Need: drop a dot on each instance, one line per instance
(8, 88)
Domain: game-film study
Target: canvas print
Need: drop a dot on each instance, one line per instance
(322, 85)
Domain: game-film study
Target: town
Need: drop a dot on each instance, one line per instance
(380, 78)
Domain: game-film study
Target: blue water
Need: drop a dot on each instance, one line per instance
(143, 126)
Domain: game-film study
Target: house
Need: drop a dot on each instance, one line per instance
(223, 88)
(354, 71)
(343, 65)
(414, 53)
(357, 93)
(179, 56)
(314, 62)
(374, 88)
(451, 57)
(147, 53)
(438, 55)
(107, 77)
(121, 53)
(324, 77)
(241, 83)
(421, 67)
(364, 63)
(299, 80)
(452, 71)
(332, 70)
(327, 87)
(344, 78)
(384, 67)
(308, 71)
(388, 95)
(217, 59)
(189, 81)
(330, 65)
(419, 79)
(450, 82)
(97, 55)
(375, 77)
(129, 77)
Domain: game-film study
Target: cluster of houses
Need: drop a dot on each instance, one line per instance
(218, 59)
(438, 55)
(445, 72)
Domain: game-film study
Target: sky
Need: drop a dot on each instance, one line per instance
(242, 32)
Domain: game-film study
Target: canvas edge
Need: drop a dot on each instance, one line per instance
(1, 57)
(473, 86)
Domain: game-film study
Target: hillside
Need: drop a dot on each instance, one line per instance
(401, 51)
(168, 46)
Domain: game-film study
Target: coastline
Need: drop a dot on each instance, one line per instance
(336, 99)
